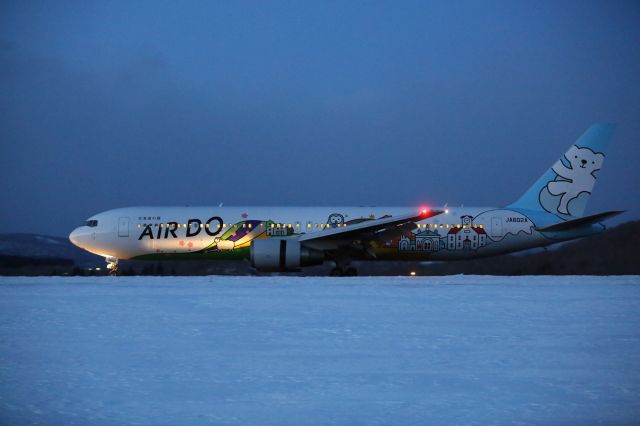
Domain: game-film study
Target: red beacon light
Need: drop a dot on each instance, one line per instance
(424, 210)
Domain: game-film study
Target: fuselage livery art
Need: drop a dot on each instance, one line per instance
(289, 238)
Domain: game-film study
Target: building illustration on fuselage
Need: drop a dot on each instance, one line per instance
(466, 237)
(279, 231)
(427, 240)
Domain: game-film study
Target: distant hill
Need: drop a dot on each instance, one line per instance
(614, 252)
(46, 247)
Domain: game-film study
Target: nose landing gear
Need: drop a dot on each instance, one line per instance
(112, 265)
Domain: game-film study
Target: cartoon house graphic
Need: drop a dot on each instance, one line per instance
(467, 237)
(279, 231)
(427, 240)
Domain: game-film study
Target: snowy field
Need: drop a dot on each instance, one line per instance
(292, 351)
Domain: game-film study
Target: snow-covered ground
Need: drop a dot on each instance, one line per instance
(282, 350)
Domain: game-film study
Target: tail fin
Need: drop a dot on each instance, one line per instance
(565, 188)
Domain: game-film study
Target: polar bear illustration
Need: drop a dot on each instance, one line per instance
(579, 177)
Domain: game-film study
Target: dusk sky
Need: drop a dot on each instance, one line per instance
(114, 104)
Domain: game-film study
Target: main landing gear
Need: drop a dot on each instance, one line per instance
(343, 266)
(112, 265)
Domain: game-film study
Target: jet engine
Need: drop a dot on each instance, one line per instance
(282, 254)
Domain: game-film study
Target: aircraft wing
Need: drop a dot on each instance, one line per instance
(368, 230)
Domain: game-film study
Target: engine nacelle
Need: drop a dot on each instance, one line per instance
(282, 254)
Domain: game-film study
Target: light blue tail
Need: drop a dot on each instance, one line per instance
(565, 188)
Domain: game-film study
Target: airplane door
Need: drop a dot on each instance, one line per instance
(496, 227)
(123, 227)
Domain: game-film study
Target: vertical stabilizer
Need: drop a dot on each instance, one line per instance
(565, 188)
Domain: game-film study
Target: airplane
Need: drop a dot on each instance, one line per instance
(286, 239)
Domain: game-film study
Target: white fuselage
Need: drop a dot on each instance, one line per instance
(227, 232)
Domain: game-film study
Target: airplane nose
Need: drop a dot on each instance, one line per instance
(74, 237)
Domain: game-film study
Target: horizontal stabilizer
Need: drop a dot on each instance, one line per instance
(582, 221)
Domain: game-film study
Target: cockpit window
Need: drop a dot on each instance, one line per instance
(92, 223)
